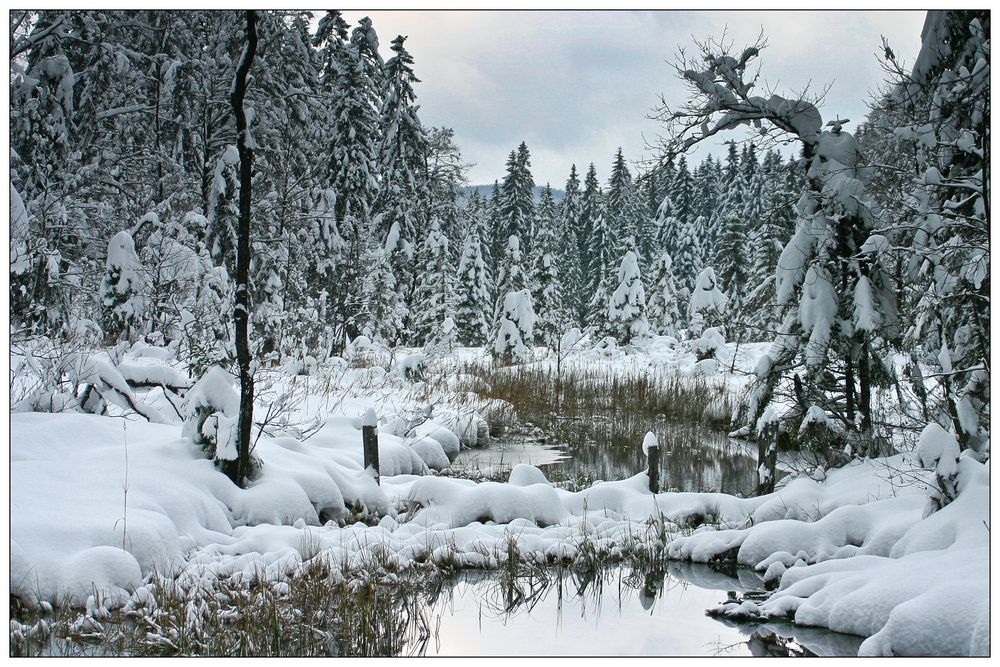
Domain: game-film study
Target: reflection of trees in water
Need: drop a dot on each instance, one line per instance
(694, 458)
(403, 619)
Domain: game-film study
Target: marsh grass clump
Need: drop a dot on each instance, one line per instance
(313, 612)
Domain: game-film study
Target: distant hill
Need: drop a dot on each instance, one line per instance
(486, 190)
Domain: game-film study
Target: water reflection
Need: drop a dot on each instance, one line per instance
(693, 459)
(613, 611)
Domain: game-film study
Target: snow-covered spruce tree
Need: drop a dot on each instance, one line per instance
(223, 210)
(515, 331)
(679, 234)
(545, 280)
(517, 206)
(570, 216)
(777, 226)
(123, 289)
(932, 129)
(626, 315)
(602, 246)
(445, 175)
(512, 276)
(434, 297)
(662, 310)
(708, 305)
(473, 305)
(592, 206)
(623, 210)
(837, 310)
(380, 310)
(402, 154)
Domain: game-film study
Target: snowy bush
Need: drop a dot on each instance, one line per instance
(211, 417)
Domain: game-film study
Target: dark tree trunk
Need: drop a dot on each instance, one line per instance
(242, 309)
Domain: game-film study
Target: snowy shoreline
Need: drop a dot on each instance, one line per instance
(853, 553)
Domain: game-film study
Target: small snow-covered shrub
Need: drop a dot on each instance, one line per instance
(211, 417)
(709, 344)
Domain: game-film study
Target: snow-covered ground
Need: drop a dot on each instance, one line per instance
(99, 503)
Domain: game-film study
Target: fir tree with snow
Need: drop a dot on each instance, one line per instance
(707, 307)
(515, 329)
(626, 316)
(122, 289)
(570, 261)
(512, 276)
(473, 311)
(434, 297)
(545, 280)
(662, 310)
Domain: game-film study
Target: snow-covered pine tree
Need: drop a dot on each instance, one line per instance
(473, 305)
(512, 276)
(570, 220)
(680, 231)
(626, 307)
(515, 329)
(592, 208)
(223, 210)
(545, 281)
(433, 299)
(662, 310)
(708, 305)
(775, 229)
(123, 289)
(517, 205)
(602, 246)
(380, 309)
(402, 197)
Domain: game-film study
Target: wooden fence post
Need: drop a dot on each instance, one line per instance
(651, 447)
(369, 438)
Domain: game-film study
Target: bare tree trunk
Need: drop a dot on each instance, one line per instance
(242, 309)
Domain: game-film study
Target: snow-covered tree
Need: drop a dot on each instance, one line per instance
(434, 297)
(662, 310)
(545, 280)
(515, 331)
(512, 276)
(123, 288)
(473, 310)
(835, 303)
(626, 314)
(570, 262)
(932, 134)
(707, 307)
(517, 206)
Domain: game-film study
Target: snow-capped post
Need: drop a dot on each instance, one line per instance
(651, 448)
(369, 439)
(241, 316)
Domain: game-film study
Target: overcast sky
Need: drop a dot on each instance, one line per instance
(577, 85)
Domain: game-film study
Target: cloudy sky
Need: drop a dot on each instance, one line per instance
(577, 85)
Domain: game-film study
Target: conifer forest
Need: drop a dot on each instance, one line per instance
(286, 380)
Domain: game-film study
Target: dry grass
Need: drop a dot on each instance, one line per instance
(591, 405)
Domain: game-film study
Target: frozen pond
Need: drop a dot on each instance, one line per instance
(693, 459)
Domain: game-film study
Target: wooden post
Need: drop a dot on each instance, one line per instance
(369, 438)
(651, 446)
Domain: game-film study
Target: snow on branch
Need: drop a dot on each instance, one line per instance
(723, 97)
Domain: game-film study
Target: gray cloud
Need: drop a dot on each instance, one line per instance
(576, 85)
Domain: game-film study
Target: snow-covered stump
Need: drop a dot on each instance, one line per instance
(651, 447)
(369, 440)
